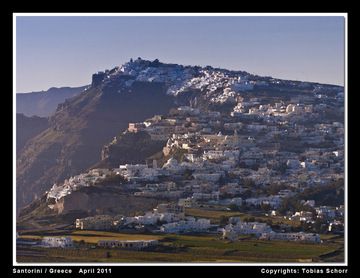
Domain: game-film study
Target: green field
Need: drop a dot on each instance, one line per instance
(185, 248)
(94, 237)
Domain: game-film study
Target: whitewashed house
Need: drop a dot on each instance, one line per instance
(189, 225)
(128, 244)
(305, 237)
(186, 202)
(232, 231)
(59, 242)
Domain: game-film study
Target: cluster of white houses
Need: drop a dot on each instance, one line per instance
(67, 242)
(75, 183)
(236, 228)
(57, 242)
(219, 85)
(170, 218)
(190, 224)
(163, 213)
(227, 158)
(212, 148)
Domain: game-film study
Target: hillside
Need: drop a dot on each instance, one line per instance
(44, 103)
(136, 91)
(85, 202)
(28, 127)
(79, 129)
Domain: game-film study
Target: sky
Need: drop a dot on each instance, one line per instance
(58, 51)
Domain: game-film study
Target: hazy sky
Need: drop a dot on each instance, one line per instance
(66, 51)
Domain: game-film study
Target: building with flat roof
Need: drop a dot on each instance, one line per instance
(128, 244)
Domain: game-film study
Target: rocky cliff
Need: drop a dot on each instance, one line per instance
(79, 129)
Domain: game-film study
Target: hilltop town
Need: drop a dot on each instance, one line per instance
(266, 154)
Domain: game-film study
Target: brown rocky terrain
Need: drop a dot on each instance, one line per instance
(78, 131)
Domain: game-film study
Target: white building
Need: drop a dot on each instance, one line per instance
(206, 196)
(57, 242)
(189, 225)
(303, 216)
(242, 86)
(232, 231)
(152, 218)
(186, 202)
(138, 172)
(128, 244)
(325, 212)
(290, 108)
(306, 237)
(213, 154)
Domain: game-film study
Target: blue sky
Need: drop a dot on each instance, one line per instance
(65, 51)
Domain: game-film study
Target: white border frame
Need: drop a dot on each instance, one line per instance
(345, 15)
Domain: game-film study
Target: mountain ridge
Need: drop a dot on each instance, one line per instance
(44, 103)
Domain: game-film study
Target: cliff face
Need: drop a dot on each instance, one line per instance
(79, 129)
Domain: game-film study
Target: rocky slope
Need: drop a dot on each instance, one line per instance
(131, 148)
